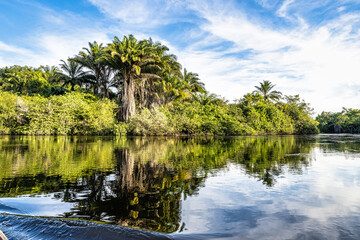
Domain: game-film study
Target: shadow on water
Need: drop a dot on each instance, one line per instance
(138, 182)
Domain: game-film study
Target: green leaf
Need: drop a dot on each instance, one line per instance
(137, 69)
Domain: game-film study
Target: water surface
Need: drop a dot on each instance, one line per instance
(283, 187)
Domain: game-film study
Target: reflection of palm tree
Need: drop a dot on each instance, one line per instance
(265, 90)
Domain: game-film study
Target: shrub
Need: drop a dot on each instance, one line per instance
(72, 113)
(147, 123)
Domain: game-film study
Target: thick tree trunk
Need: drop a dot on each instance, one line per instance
(142, 96)
(128, 99)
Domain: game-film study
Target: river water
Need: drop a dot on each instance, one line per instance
(268, 187)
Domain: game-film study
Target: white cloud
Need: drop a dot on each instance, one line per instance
(55, 47)
(268, 3)
(144, 12)
(13, 49)
(58, 36)
(341, 9)
(282, 11)
(321, 63)
(50, 48)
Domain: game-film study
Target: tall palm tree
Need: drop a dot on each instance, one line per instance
(265, 89)
(132, 60)
(73, 74)
(193, 80)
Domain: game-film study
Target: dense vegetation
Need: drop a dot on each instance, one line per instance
(346, 121)
(137, 87)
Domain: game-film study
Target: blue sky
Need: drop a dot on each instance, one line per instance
(306, 47)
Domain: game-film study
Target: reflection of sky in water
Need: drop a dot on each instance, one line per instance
(323, 202)
(44, 205)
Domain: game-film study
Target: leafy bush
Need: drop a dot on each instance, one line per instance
(8, 113)
(346, 121)
(209, 118)
(24, 80)
(73, 113)
(300, 112)
(147, 123)
(264, 116)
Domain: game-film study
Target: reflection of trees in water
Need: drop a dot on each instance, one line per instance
(266, 157)
(347, 144)
(140, 182)
(145, 195)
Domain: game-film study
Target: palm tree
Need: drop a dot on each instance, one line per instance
(207, 98)
(193, 80)
(265, 90)
(174, 88)
(152, 91)
(91, 59)
(132, 61)
(49, 72)
(73, 74)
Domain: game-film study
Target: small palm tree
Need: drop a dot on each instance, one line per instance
(73, 74)
(49, 72)
(265, 90)
(174, 88)
(193, 80)
(207, 98)
(91, 59)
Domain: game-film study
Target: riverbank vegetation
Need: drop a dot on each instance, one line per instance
(138, 88)
(346, 121)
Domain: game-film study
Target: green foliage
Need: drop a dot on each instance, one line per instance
(264, 116)
(73, 74)
(346, 121)
(148, 123)
(197, 118)
(72, 113)
(8, 112)
(24, 80)
(300, 112)
(78, 113)
(120, 129)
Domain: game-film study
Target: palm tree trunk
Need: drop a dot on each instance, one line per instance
(128, 99)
